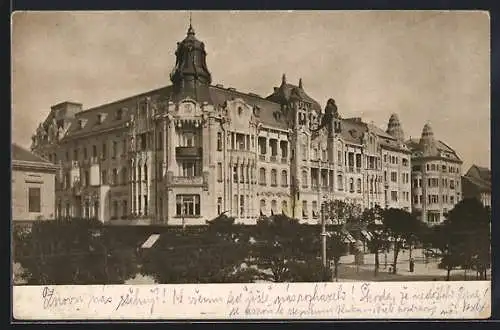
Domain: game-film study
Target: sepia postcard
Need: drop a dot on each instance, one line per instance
(218, 165)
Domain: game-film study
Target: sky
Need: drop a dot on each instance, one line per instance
(426, 66)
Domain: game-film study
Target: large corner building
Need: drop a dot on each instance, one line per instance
(183, 154)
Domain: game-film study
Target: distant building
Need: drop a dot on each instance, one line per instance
(33, 186)
(436, 177)
(186, 152)
(476, 183)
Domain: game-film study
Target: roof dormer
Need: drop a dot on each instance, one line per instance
(101, 117)
(82, 122)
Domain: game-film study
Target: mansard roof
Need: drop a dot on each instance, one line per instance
(90, 116)
(267, 108)
(218, 95)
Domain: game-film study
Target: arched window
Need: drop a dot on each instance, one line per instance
(358, 185)
(284, 207)
(351, 185)
(304, 178)
(340, 182)
(262, 176)
(262, 207)
(274, 207)
(274, 177)
(284, 178)
(242, 173)
(371, 185)
(145, 172)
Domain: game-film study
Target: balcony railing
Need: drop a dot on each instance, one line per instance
(188, 152)
(284, 160)
(262, 157)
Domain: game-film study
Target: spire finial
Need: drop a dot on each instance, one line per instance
(190, 29)
(283, 78)
(300, 83)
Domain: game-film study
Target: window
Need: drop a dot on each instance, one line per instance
(404, 161)
(114, 150)
(304, 209)
(394, 176)
(86, 178)
(104, 150)
(115, 210)
(274, 177)
(274, 206)
(452, 199)
(415, 199)
(351, 185)
(340, 183)
(385, 158)
(358, 185)
(85, 155)
(314, 209)
(242, 205)
(452, 184)
(262, 176)
(188, 205)
(284, 178)
(219, 141)
(145, 172)
(75, 154)
(358, 160)
(125, 208)
(219, 172)
(394, 196)
(94, 151)
(242, 173)
(189, 169)
(219, 205)
(125, 175)
(235, 174)
(104, 177)
(115, 176)
(415, 183)
(34, 200)
(67, 155)
(339, 157)
(262, 207)
(304, 178)
(433, 167)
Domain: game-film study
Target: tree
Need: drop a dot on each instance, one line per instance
(282, 243)
(466, 237)
(336, 247)
(213, 255)
(372, 218)
(400, 225)
(73, 251)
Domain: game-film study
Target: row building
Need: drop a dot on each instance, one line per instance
(184, 153)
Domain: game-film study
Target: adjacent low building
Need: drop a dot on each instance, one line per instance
(33, 186)
(476, 183)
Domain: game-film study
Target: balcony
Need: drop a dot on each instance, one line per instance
(262, 158)
(187, 181)
(284, 160)
(188, 152)
(273, 158)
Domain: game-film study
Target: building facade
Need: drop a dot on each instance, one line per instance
(476, 183)
(33, 187)
(436, 177)
(184, 153)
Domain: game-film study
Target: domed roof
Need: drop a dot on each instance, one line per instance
(427, 141)
(394, 127)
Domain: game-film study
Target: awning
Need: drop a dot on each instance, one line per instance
(367, 235)
(150, 241)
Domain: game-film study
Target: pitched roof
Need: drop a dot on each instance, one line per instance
(21, 154)
(481, 184)
(479, 172)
